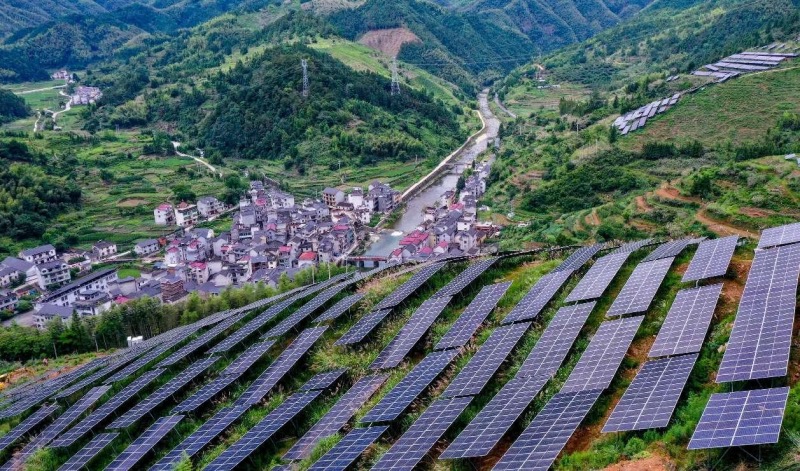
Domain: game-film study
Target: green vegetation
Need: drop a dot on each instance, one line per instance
(12, 107)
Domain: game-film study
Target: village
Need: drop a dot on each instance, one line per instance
(271, 237)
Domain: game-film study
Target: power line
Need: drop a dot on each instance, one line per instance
(395, 78)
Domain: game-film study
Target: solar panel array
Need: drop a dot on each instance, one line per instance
(411, 333)
(205, 393)
(541, 442)
(248, 358)
(363, 327)
(263, 431)
(201, 437)
(335, 311)
(641, 288)
(471, 380)
(409, 287)
(144, 443)
(687, 321)
(741, 418)
(473, 316)
(782, 235)
(323, 380)
(579, 258)
(711, 259)
(79, 460)
(254, 325)
(423, 434)
(281, 366)
(349, 448)
(494, 420)
(163, 393)
(338, 416)
(652, 396)
(537, 298)
(104, 411)
(762, 332)
(27, 425)
(670, 249)
(601, 359)
(466, 277)
(595, 282)
(410, 387)
(201, 341)
(301, 314)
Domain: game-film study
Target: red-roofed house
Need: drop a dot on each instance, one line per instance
(164, 215)
(197, 272)
(306, 259)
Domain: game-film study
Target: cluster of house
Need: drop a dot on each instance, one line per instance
(451, 228)
(84, 95)
(62, 74)
(271, 236)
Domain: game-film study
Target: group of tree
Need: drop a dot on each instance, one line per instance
(12, 107)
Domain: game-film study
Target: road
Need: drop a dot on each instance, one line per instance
(177, 144)
(25, 92)
(503, 107)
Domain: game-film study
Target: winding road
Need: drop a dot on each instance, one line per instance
(199, 160)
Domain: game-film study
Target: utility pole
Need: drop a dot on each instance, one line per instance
(304, 64)
(395, 78)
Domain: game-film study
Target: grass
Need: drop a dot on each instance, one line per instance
(526, 98)
(734, 112)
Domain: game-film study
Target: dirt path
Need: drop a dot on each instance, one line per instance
(592, 218)
(176, 144)
(642, 204)
(25, 92)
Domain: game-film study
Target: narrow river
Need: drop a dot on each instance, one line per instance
(387, 240)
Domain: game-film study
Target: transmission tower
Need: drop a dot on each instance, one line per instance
(304, 64)
(395, 78)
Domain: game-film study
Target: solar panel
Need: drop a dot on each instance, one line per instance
(201, 437)
(601, 359)
(339, 308)
(466, 277)
(411, 333)
(741, 418)
(762, 332)
(263, 431)
(631, 247)
(200, 342)
(641, 288)
(670, 249)
(711, 259)
(409, 287)
(541, 442)
(537, 298)
(410, 387)
(163, 393)
(471, 380)
(782, 235)
(109, 407)
(79, 460)
(57, 427)
(652, 396)
(248, 358)
(494, 420)
(143, 361)
(687, 321)
(281, 366)
(363, 327)
(349, 448)
(303, 312)
(205, 393)
(556, 341)
(423, 434)
(323, 380)
(142, 445)
(26, 425)
(579, 258)
(597, 279)
(473, 316)
(337, 417)
(255, 324)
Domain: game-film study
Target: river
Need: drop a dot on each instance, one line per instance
(384, 243)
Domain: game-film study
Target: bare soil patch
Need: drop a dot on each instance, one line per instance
(389, 41)
(651, 463)
(642, 205)
(131, 202)
(592, 218)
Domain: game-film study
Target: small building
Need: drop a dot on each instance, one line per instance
(306, 259)
(172, 289)
(85, 95)
(92, 303)
(8, 276)
(8, 300)
(186, 215)
(197, 273)
(53, 273)
(209, 206)
(38, 255)
(103, 250)
(164, 215)
(146, 247)
(29, 269)
(49, 312)
(60, 75)
(67, 295)
(332, 196)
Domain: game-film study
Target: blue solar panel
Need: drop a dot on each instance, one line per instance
(363, 327)
(473, 316)
(26, 426)
(79, 460)
(687, 321)
(595, 282)
(579, 258)
(129, 458)
(711, 259)
(538, 297)
(303, 312)
(466, 277)
(641, 288)
(409, 287)
(339, 308)
(344, 453)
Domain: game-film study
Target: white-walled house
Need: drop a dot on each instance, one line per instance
(164, 215)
